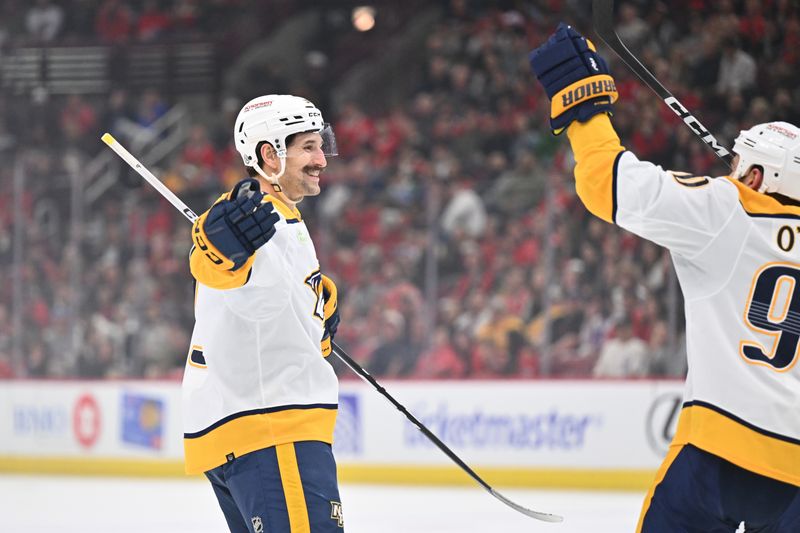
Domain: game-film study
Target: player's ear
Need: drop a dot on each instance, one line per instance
(755, 177)
(270, 158)
(758, 176)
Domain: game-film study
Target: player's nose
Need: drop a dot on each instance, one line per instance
(318, 158)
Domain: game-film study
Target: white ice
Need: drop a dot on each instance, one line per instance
(39, 504)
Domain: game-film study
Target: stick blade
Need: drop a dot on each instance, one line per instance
(545, 517)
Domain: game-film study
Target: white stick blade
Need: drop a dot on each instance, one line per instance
(545, 517)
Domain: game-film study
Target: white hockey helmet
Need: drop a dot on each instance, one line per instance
(775, 146)
(273, 118)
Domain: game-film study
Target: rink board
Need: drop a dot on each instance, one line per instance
(604, 434)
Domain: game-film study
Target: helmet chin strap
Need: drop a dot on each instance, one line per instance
(273, 178)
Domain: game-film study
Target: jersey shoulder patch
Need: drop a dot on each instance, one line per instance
(688, 180)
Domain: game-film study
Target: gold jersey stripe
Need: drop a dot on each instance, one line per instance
(596, 147)
(293, 488)
(724, 437)
(756, 203)
(288, 213)
(249, 433)
(672, 453)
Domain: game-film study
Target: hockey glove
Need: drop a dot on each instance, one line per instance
(574, 76)
(236, 226)
(331, 312)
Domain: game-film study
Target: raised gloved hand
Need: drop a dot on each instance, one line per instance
(331, 312)
(574, 76)
(236, 226)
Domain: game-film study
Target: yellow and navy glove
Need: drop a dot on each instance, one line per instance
(331, 313)
(235, 227)
(574, 76)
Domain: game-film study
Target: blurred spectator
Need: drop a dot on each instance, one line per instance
(78, 120)
(117, 115)
(440, 361)
(186, 14)
(631, 28)
(737, 68)
(44, 21)
(518, 188)
(151, 107)
(393, 356)
(464, 198)
(665, 362)
(489, 361)
(153, 22)
(198, 150)
(114, 22)
(464, 214)
(624, 355)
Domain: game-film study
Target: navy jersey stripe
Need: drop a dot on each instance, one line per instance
(614, 187)
(262, 411)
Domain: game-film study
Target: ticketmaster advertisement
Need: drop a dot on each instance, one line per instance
(589, 425)
(550, 424)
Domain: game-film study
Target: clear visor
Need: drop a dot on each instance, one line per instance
(328, 140)
(329, 147)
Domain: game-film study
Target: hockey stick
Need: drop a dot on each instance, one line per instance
(603, 20)
(363, 374)
(341, 354)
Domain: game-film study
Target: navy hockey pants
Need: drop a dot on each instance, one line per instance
(702, 493)
(289, 488)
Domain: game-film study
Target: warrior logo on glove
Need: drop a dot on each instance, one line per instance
(574, 76)
(583, 90)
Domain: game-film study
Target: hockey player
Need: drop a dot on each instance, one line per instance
(259, 398)
(734, 464)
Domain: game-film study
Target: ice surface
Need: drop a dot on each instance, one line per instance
(33, 504)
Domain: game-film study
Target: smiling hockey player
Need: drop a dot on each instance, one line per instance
(259, 399)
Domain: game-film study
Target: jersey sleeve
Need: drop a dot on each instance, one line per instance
(681, 212)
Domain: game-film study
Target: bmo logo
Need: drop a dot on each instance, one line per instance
(86, 420)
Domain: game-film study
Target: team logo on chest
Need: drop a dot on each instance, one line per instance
(302, 235)
(314, 281)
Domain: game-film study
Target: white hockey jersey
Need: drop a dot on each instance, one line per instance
(737, 256)
(255, 376)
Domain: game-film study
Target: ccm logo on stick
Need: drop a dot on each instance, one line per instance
(693, 123)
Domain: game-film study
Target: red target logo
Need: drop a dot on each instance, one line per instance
(86, 420)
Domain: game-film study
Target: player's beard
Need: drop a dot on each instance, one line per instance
(311, 187)
(300, 184)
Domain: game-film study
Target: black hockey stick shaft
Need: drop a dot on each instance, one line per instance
(603, 20)
(341, 354)
(358, 369)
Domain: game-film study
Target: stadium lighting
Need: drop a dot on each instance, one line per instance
(363, 18)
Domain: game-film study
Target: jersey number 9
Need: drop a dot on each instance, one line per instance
(774, 308)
